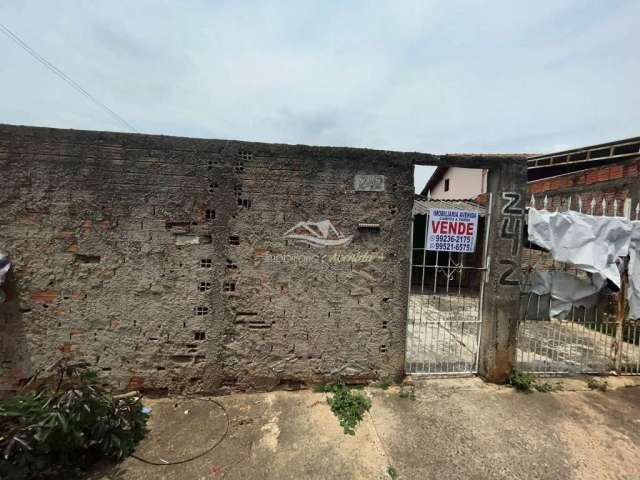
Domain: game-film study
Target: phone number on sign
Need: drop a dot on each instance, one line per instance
(450, 247)
(463, 239)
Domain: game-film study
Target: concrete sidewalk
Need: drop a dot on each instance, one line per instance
(454, 429)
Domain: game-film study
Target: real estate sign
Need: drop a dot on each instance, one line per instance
(452, 230)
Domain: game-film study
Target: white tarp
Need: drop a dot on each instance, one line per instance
(5, 266)
(566, 290)
(633, 293)
(593, 244)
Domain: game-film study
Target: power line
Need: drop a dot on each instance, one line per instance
(63, 75)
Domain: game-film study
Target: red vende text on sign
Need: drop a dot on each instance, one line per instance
(452, 228)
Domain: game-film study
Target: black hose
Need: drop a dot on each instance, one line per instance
(201, 454)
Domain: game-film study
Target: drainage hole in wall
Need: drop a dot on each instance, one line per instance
(383, 348)
(229, 286)
(87, 258)
(231, 265)
(384, 324)
(244, 203)
(201, 310)
(244, 155)
(204, 286)
(181, 224)
(234, 240)
(206, 263)
(259, 325)
(199, 335)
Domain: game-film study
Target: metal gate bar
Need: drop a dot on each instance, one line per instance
(444, 312)
(595, 340)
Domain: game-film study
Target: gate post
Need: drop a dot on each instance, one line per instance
(507, 184)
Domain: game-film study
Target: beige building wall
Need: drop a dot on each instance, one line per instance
(463, 183)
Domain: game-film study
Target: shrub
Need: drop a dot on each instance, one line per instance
(348, 406)
(58, 431)
(522, 381)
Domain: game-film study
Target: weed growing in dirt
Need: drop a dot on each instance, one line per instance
(393, 473)
(328, 388)
(333, 387)
(595, 384)
(546, 387)
(382, 385)
(521, 381)
(526, 382)
(348, 406)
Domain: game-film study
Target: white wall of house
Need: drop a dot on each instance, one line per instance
(463, 183)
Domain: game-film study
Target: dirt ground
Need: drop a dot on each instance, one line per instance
(453, 429)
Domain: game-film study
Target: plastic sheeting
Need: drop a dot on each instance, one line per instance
(5, 266)
(566, 290)
(593, 244)
(633, 293)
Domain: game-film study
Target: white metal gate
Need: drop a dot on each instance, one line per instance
(598, 339)
(445, 301)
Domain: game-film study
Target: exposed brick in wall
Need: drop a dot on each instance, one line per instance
(151, 258)
(560, 200)
(586, 177)
(609, 183)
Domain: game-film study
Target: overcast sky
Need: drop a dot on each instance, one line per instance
(429, 76)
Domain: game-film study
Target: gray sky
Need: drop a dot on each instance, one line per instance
(430, 76)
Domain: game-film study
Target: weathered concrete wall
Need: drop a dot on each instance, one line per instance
(158, 260)
(500, 307)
